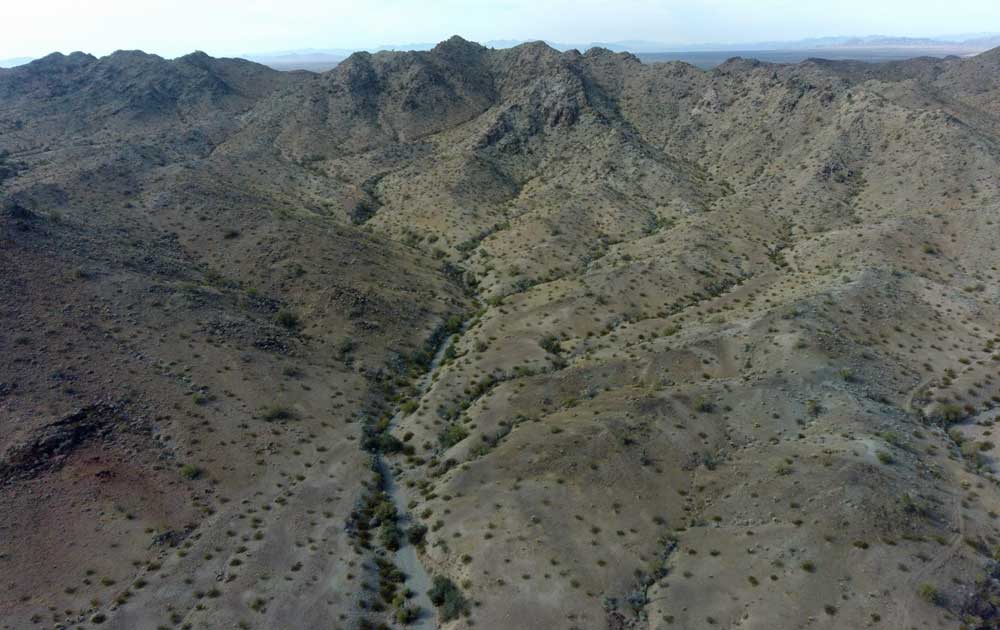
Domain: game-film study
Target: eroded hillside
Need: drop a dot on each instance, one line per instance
(590, 343)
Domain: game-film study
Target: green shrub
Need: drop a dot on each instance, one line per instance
(948, 414)
(388, 443)
(916, 506)
(416, 534)
(409, 406)
(190, 471)
(550, 344)
(407, 614)
(971, 451)
(452, 435)
(345, 347)
(447, 598)
(390, 535)
(201, 398)
(930, 594)
(783, 468)
(288, 319)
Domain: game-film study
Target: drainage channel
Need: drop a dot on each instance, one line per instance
(418, 580)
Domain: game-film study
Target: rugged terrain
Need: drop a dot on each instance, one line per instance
(568, 340)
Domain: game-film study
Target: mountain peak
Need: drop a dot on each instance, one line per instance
(457, 41)
(457, 47)
(57, 58)
(198, 59)
(132, 55)
(536, 46)
(599, 52)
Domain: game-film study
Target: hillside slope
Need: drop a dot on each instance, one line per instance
(606, 344)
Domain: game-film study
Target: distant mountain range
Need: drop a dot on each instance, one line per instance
(319, 59)
(964, 44)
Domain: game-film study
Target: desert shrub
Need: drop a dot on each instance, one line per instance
(915, 506)
(346, 347)
(390, 535)
(709, 460)
(783, 468)
(930, 594)
(452, 435)
(453, 324)
(278, 412)
(447, 598)
(362, 211)
(190, 471)
(481, 450)
(288, 319)
(382, 442)
(201, 398)
(407, 614)
(416, 534)
(948, 414)
(550, 344)
(409, 406)
(971, 451)
(383, 508)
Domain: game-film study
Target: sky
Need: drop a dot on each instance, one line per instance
(33, 28)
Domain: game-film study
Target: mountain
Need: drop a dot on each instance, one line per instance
(977, 42)
(499, 338)
(710, 55)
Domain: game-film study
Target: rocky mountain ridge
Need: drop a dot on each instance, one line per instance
(620, 345)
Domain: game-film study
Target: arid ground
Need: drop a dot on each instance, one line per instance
(497, 339)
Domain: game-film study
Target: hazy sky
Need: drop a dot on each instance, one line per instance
(228, 27)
